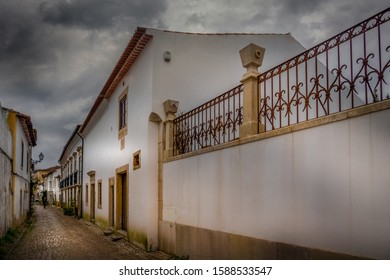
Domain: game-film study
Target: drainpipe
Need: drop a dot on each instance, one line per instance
(82, 174)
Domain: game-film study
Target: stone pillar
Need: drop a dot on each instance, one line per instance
(170, 108)
(251, 58)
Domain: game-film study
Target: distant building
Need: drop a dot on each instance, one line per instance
(51, 184)
(38, 182)
(71, 165)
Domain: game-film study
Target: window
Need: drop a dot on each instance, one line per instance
(122, 122)
(28, 161)
(122, 112)
(137, 160)
(100, 194)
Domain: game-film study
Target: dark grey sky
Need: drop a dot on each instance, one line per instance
(56, 55)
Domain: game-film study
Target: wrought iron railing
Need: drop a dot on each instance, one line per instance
(347, 71)
(73, 179)
(212, 123)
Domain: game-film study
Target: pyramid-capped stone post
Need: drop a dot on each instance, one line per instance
(251, 58)
(170, 108)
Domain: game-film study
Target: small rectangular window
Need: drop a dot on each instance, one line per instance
(137, 160)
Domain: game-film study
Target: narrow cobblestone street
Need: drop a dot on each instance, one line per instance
(55, 236)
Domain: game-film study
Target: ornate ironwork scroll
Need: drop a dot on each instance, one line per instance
(212, 123)
(349, 70)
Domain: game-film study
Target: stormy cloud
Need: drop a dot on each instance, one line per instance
(101, 14)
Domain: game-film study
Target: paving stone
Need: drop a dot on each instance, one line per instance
(55, 236)
(107, 232)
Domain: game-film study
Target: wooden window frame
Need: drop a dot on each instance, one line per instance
(123, 113)
(137, 160)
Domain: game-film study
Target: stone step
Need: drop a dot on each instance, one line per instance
(116, 237)
(108, 232)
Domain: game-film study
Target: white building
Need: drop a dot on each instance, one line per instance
(51, 184)
(123, 132)
(23, 139)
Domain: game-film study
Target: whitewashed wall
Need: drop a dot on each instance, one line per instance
(5, 173)
(22, 179)
(326, 187)
(103, 155)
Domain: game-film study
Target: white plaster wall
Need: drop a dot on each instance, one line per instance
(21, 199)
(5, 134)
(22, 178)
(326, 187)
(205, 66)
(102, 151)
(20, 136)
(5, 173)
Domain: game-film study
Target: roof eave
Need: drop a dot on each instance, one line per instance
(68, 142)
(133, 50)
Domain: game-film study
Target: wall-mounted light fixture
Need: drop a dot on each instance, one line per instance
(167, 56)
(41, 156)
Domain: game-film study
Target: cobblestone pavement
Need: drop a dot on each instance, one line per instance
(54, 236)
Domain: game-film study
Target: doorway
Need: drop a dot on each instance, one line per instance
(92, 217)
(21, 205)
(91, 175)
(111, 202)
(122, 197)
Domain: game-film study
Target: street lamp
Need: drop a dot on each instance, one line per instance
(41, 156)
